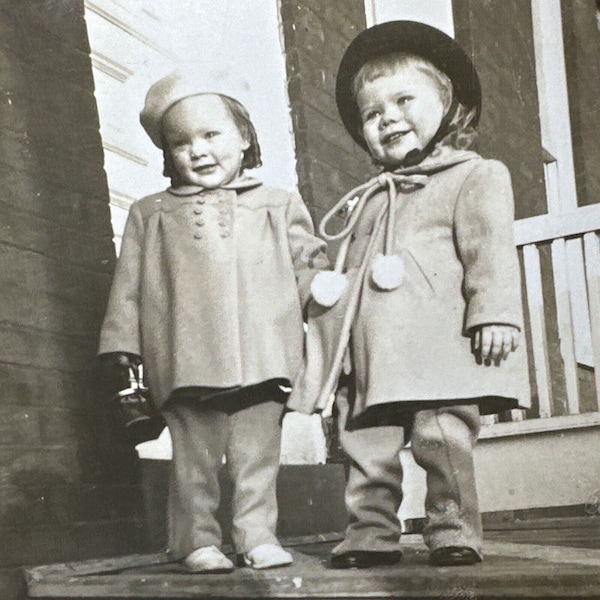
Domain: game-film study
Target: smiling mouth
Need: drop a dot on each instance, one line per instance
(204, 168)
(393, 137)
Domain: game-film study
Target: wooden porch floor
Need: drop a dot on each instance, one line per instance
(545, 558)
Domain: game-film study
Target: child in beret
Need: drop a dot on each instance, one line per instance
(426, 289)
(208, 293)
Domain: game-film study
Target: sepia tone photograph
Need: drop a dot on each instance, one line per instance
(299, 299)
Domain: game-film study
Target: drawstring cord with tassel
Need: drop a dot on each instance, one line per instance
(388, 268)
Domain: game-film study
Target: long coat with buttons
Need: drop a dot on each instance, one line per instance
(413, 345)
(210, 286)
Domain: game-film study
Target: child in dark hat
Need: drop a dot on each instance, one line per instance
(427, 292)
(209, 292)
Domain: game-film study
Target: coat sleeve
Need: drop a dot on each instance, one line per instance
(483, 222)
(307, 250)
(121, 327)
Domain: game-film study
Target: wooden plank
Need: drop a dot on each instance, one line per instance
(550, 537)
(131, 24)
(94, 566)
(529, 426)
(105, 566)
(588, 524)
(513, 473)
(509, 571)
(517, 415)
(554, 554)
(565, 324)
(488, 420)
(548, 227)
(580, 310)
(592, 269)
(535, 304)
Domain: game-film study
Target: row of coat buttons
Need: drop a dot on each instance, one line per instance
(200, 222)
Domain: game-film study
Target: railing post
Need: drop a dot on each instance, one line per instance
(564, 317)
(535, 304)
(592, 269)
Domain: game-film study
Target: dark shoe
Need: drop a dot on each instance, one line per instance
(454, 556)
(363, 559)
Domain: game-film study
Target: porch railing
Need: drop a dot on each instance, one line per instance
(561, 264)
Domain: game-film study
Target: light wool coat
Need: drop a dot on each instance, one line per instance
(413, 344)
(210, 286)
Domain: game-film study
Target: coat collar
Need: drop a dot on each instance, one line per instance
(405, 179)
(440, 159)
(240, 184)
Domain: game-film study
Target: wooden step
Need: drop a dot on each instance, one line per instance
(509, 571)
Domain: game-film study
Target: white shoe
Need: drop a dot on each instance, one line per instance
(208, 559)
(267, 556)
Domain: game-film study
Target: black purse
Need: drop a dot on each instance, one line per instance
(136, 412)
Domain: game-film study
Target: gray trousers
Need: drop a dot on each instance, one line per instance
(250, 439)
(442, 444)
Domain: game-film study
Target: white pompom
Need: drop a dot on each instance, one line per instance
(388, 271)
(328, 286)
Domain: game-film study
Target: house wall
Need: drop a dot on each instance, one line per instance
(499, 37)
(581, 31)
(64, 483)
(316, 34)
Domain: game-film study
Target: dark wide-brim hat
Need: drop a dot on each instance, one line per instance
(413, 38)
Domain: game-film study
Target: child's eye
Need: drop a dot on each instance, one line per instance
(371, 114)
(211, 134)
(404, 100)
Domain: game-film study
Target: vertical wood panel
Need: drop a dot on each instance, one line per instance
(535, 304)
(592, 269)
(565, 324)
(579, 302)
(517, 414)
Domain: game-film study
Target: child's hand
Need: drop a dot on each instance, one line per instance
(495, 342)
(115, 369)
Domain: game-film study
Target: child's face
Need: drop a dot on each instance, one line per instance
(400, 112)
(205, 143)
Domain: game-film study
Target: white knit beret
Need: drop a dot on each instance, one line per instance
(179, 85)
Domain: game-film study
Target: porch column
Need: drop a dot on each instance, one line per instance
(67, 489)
